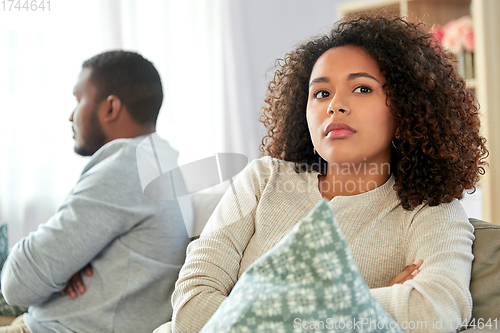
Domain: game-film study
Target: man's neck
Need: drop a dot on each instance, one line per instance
(129, 132)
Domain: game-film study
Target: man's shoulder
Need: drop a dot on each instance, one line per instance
(130, 152)
(127, 165)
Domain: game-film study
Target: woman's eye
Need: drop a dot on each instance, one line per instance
(362, 90)
(321, 94)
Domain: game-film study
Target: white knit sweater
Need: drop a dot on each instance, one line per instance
(383, 237)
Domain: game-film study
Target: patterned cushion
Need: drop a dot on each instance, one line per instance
(6, 309)
(308, 281)
(4, 243)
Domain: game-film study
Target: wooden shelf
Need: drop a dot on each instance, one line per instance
(431, 12)
(471, 83)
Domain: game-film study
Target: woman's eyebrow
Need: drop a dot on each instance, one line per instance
(321, 79)
(353, 76)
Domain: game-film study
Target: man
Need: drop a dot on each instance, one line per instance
(134, 245)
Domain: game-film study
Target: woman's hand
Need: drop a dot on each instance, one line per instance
(76, 283)
(408, 273)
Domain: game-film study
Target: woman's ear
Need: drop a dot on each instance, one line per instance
(114, 108)
(387, 99)
(397, 133)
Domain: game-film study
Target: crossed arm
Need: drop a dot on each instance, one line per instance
(441, 235)
(90, 218)
(75, 285)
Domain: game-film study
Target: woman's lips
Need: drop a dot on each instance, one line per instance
(339, 134)
(338, 131)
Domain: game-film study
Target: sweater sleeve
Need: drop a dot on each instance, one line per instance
(213, 261)
(98, 210)
(438, 298)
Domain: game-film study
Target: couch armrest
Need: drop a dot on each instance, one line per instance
(484, 285)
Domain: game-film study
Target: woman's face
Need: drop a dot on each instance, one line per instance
(347, 115)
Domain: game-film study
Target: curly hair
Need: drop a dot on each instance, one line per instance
(438, 151)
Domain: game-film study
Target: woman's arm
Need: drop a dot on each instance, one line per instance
(408, 273)
(213, 261)
(438, 298)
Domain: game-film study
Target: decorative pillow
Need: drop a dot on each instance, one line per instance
(6, 309)
(308, 281)
(4, 243)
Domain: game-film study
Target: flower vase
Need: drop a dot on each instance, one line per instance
(465, 64)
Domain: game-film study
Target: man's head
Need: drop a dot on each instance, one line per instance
(119, 95)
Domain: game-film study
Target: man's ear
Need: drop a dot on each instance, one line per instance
(114, 108)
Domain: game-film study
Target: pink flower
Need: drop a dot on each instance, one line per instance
(459, 35)
(438, 35)
(466, 32)
(452, 39)
(468, 41)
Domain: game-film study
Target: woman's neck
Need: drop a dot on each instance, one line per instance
(348, 180)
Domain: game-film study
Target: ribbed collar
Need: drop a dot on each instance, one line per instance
(382, 192)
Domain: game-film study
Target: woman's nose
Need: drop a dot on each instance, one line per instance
(338, 104)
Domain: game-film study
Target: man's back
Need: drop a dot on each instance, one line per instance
(136, 247)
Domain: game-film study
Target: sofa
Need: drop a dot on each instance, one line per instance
(485, 277)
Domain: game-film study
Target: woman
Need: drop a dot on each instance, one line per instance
(375, 119)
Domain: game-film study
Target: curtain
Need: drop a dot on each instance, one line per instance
(41, 57)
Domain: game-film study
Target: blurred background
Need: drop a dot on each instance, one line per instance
(215, 58)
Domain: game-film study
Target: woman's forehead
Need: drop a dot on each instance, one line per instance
(344, 60)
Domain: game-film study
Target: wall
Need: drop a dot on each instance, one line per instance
(267, 30)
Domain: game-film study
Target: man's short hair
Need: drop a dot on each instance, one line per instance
(131, 78)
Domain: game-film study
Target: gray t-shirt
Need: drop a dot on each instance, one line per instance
(136, 246)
